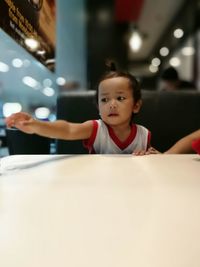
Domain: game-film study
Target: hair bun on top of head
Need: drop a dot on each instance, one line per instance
(111, 65)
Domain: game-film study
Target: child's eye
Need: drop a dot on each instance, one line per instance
(105, 99)
(120, 98)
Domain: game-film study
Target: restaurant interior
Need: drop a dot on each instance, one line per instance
(141, 37)
(135, 203)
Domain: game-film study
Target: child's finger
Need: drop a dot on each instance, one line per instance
(139, 153)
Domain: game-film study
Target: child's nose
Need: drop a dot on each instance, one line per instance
(113, 103)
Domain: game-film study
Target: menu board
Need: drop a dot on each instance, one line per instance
(35, 20)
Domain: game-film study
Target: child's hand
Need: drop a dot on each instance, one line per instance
(23, 121)
(140, 153)
(150, 151)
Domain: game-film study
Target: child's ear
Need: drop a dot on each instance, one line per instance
(137, 106)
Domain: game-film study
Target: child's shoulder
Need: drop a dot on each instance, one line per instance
(139, 126)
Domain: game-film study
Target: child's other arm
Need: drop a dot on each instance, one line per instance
(184, 145)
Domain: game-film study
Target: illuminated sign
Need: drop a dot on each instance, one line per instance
(32, 23)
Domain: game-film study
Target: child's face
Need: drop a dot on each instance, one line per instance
(116, 103)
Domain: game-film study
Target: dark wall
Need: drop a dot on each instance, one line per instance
(105, 39)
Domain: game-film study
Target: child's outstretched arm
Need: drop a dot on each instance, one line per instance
(59, 129)
(184, 145)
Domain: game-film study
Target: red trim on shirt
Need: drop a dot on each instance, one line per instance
(89, 142)
(129, 139)
(148, 140)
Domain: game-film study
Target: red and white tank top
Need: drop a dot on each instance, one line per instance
(104, 141)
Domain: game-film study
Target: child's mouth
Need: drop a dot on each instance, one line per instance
(113, 115)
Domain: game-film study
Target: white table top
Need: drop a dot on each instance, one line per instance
(101, 211)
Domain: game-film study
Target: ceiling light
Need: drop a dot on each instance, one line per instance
(175, 62)
(188, 51)
(30, 81)
(10, 108)
(164, 51)
(42, 113)
(135, 41)
(50, 61)
(41, 52)
(178, 33)
(47, 82)
(153, 69)
(17, 63)
(48, 91)
(4, 67)
(60, 81)
(32, 44)
(52, 117)
(155, 62)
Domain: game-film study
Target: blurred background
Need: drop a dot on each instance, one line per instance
(143, 37)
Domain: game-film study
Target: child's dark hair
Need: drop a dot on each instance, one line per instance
(114, 73)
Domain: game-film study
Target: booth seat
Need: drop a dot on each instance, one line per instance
(19, 142)
(168, 115)
(75, 107)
